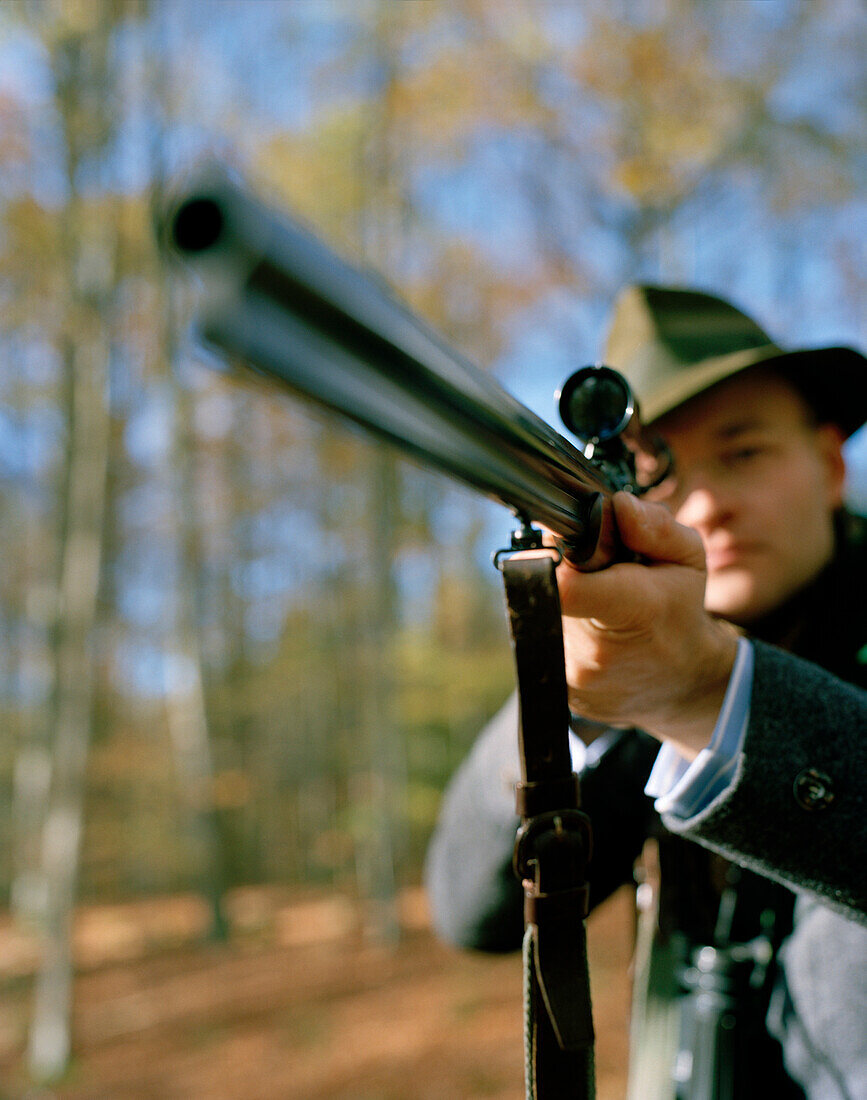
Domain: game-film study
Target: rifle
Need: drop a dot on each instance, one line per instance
(280, 301)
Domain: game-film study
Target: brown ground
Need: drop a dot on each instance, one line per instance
(299, 1004)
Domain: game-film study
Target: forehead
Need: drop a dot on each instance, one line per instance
(755, 400)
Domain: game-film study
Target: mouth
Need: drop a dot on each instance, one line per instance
(726, 557)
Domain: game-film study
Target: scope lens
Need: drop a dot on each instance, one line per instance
(595, 403)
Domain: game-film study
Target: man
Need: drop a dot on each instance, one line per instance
(735, 640)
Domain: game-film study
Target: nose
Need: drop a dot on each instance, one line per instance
(703, 505)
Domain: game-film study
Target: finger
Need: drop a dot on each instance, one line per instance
(652, 531)
(612, 599)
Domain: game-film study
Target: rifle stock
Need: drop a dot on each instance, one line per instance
(282, 302)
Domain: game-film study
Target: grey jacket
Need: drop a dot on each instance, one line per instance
(811, 834)
(796, 813)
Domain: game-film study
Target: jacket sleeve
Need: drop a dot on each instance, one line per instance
(796, 810)
(475, 899)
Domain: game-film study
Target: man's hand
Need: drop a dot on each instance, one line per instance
(640, 648)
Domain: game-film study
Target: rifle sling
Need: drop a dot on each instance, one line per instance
(553, 843)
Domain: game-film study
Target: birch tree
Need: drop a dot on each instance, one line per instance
(88, 256)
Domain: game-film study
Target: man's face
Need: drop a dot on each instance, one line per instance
(760, 484)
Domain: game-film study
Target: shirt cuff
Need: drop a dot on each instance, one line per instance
(684, 788)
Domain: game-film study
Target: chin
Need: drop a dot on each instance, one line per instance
(736, 597)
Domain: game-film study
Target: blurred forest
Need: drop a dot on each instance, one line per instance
(243, 645)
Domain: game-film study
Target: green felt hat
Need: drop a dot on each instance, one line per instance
(674, 344)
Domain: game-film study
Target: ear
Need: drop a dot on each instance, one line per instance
(829, 439)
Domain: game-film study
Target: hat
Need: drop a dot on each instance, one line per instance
(674, 344)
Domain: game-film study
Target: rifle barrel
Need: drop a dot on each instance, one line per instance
(280, 300)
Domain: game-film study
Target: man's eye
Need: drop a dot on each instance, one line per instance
(743, 455)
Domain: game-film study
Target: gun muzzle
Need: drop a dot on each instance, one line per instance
(286, 305)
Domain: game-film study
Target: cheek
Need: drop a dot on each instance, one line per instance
(805, 503)
(795, 522)
(776, 516)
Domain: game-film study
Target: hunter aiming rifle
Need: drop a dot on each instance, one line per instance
(279, 301)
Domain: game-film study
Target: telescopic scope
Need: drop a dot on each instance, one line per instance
(598, 406)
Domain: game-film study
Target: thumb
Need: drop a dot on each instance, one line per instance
(651, 531)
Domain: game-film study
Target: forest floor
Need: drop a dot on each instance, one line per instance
(299, 1003)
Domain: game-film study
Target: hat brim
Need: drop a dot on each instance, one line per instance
(832, 380)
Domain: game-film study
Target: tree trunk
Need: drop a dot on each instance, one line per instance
(185, 689)
(49, 1044)
(88, 258)
(378, 846)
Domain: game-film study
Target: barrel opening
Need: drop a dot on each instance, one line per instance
(198, 225)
